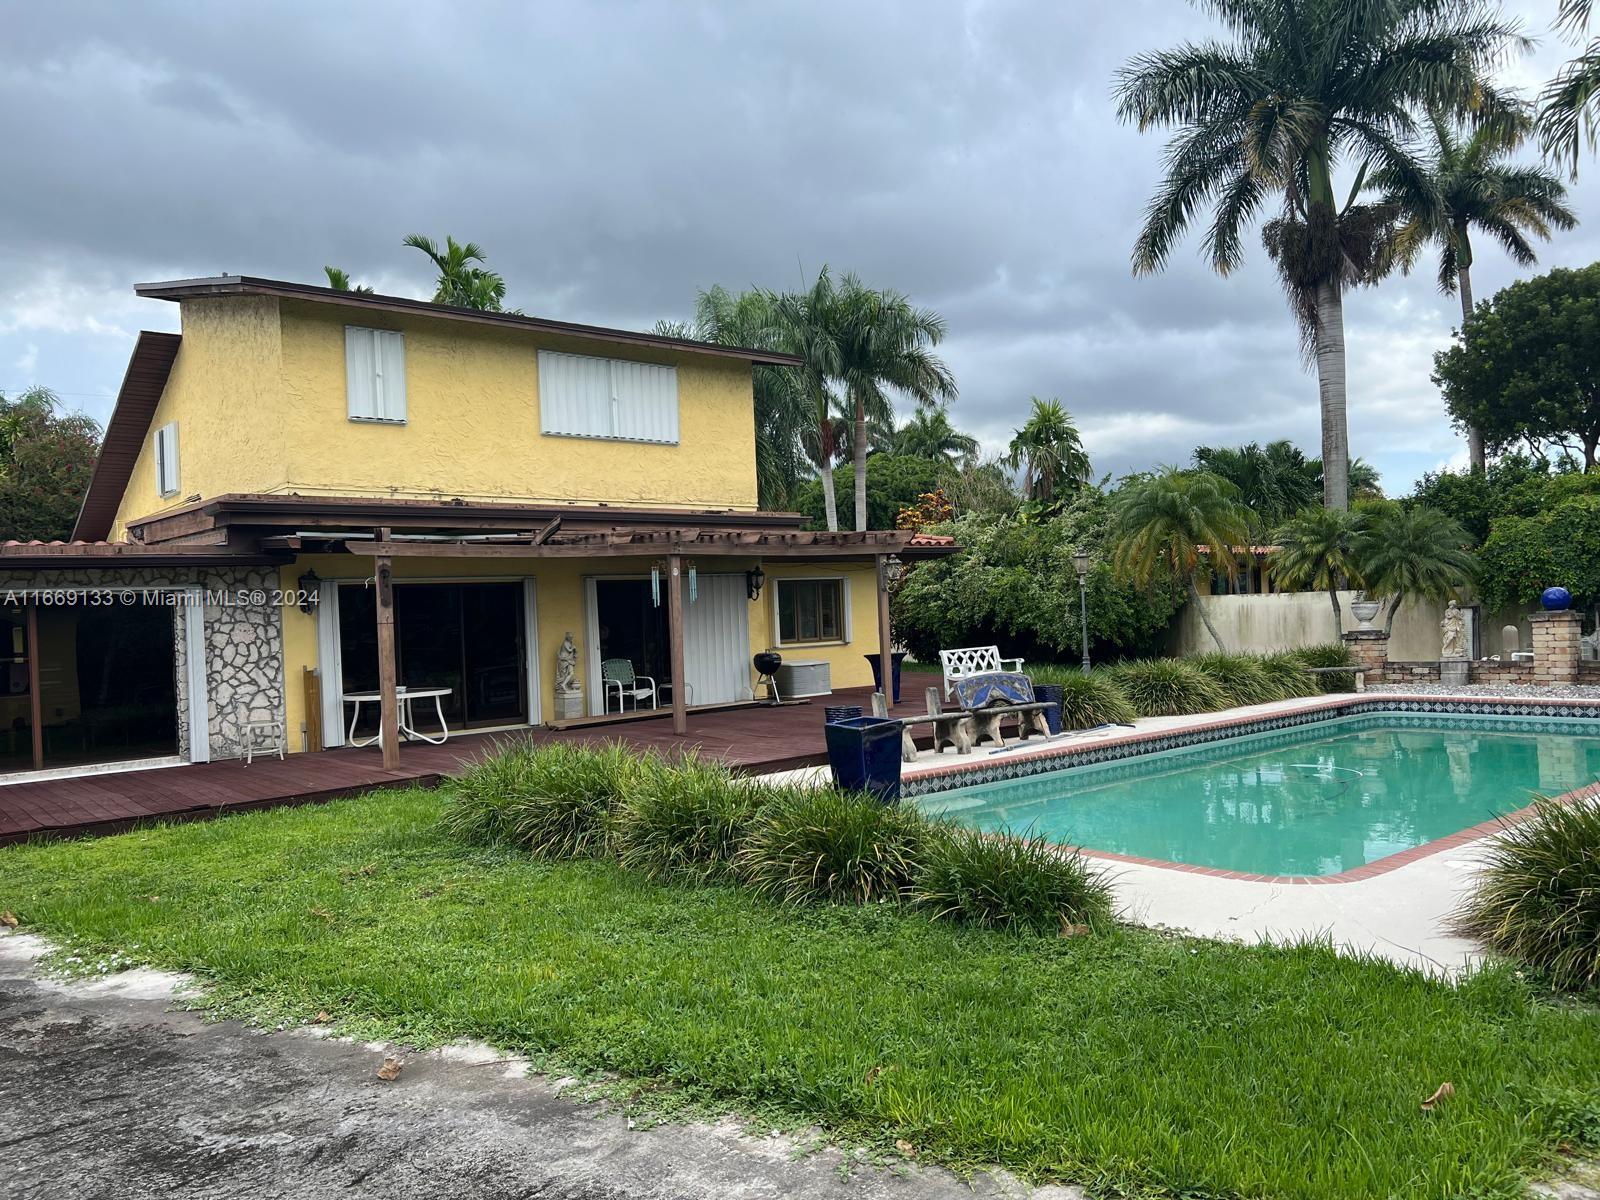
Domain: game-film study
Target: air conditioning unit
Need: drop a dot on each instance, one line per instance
(802, 678)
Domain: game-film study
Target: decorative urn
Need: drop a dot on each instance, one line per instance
(1363, 610)
(1555, 599)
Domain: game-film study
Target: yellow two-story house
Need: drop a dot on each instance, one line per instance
(321, 516)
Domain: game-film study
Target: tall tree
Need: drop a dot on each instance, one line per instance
(1303, 87)
(1175, 522)
(1527, 366)
(46, 459)
(1315, 549)
(339, 281)
(1274, 481)
(1568, 103)
(1418, 552)
(461, 283)
(1470, 186)
(1049, 451)
(885, 347)
(928, 433)
(808, 324)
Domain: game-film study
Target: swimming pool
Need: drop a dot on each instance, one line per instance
(1318, 799)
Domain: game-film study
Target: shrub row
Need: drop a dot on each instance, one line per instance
(695, 821)
(1171, 687)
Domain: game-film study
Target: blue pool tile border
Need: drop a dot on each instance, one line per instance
(966, 774)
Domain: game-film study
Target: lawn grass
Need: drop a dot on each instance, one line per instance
(1127, 1061)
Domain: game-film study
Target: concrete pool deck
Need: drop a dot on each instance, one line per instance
(1395, 910)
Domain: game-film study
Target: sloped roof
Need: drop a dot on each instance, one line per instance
(142, 385)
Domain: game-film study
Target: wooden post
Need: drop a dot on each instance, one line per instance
(885, 642)
(35, 701)
(388, 705)
(680, 686)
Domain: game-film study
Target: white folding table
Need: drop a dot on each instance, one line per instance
(404, 698)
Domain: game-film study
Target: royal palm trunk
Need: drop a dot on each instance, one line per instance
(1331, 394)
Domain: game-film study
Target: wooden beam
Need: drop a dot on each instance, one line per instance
(814, 551)
(35, 702)
(543, 535)
(388, 705)
(680, 686)
(885, 642)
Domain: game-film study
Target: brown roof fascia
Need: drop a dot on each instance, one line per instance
(248, 285)
(76, 555)
(142, 385)
(308, 512)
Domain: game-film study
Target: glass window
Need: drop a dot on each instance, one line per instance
(810, 610)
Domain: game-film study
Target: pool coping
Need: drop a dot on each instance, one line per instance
(1262, 719)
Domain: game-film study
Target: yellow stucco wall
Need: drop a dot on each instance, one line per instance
(559, 591)
(225, 392)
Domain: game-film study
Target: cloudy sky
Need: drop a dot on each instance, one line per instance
(614, 158)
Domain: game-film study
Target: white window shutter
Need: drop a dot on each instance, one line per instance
(375, 374)
(167, 459)
(611, 398)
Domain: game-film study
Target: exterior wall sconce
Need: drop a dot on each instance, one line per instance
(309, 591)
(753, 579)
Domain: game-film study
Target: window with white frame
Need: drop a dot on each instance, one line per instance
(375, 374)
(613, 398)
(167, 459)
(811, 610)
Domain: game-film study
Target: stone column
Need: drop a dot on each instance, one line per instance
(1370, 650)
(1555, 646)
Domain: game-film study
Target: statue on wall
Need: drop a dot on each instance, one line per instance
(567, 666)
(1453, 632)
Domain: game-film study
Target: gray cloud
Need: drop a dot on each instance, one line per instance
(615, 157)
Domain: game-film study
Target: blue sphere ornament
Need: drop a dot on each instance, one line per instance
(1555, 599)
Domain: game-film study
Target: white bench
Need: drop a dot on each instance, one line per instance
(972, 660)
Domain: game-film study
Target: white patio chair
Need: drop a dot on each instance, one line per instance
(619, 680)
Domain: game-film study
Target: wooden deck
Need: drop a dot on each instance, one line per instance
(758, 739)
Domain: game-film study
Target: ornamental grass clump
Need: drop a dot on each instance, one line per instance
(1167, 687)
(820, 844)
(553, 801)
(1537, 897)
(1241, 678)
(1328, 654)
(1289, 675)
(685, 820)
(1090, 700)
(1012, 883)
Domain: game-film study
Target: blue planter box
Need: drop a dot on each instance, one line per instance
(1050, 693)
(864, 755)
(896, 657)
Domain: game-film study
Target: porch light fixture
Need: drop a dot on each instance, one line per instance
(309, 585)
(753, 579)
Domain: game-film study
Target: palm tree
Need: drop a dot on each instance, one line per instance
(1049, 450)
(460, 283)
(929, 434)
(807, 324)
(1316, 549)
(1175, 521)
(782, 410)
(1274, 481)
(339, 281)
(1470, 185)
(1412, 552)
(1304, 87)
(1567, 104)
(884, 345)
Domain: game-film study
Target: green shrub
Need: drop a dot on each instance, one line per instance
(1289, 675)
(1537, 898)
(1086, 700)
(684, 820)
(552, 800)
(1329, 654)
(1167, 687)
(811, 844)
(1241, 678)
(1009, 882)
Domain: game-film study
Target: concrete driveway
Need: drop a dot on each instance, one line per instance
(110, 1089)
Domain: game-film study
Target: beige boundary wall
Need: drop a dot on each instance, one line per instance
(1285, 620)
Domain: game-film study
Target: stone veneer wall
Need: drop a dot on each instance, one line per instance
(1555, 657)
(243, 639)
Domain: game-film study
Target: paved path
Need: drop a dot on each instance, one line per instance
(108, 1091)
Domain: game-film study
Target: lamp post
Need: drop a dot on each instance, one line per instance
(1080, 559)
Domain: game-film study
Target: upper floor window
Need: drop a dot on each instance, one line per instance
(375, 374)
(811, 610)
(581, 396)
(167, 459)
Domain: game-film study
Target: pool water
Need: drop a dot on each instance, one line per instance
(1316, 799)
